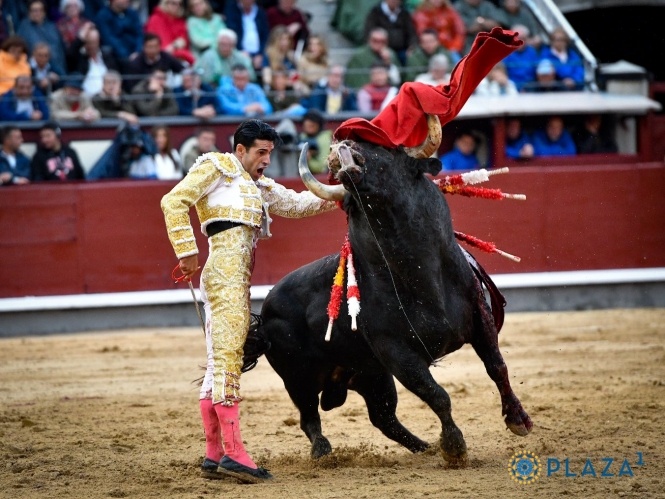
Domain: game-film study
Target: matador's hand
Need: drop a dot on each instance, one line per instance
(189, 265)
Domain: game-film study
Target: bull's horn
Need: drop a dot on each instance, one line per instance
(327, 192)
(431, 143)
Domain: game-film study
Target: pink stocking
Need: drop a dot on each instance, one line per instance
(214, 449)
(233, 446)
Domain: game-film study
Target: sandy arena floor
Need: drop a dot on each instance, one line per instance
(115, 414)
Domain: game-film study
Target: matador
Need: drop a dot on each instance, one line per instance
(233, 200)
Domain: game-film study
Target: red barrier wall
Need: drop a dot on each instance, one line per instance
(109, 236)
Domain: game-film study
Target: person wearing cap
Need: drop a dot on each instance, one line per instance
(546, 80)
(54, 160)
(70, 103)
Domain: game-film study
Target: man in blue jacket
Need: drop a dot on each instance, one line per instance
(121, 30)
(567, 61)
(237, 96)
(463, 154)
(14, 165)
(521, 64)
(554, 139)
(24, 102)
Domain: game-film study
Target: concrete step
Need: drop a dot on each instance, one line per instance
(322, 13)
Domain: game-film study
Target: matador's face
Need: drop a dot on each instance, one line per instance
(256, 158)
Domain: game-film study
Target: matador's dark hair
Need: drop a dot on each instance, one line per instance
(250, 130)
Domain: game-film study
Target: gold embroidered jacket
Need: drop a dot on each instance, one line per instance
(220, 189)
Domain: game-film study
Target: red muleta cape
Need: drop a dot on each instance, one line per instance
(404, 121)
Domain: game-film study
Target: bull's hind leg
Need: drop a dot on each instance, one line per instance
(381, 398)
(413, 372)
(305, 395)
(485, 342)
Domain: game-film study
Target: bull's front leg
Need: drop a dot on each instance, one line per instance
(485, 342)
(380, 395)
(413, 372)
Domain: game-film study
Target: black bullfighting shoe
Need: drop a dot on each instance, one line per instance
(209, 470)
(243, 473)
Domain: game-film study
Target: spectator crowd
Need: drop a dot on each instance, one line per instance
(82, 60)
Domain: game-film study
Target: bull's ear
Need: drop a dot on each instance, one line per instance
(429, 165)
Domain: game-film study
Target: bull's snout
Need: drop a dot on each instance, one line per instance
(347, 164)
(343, 162)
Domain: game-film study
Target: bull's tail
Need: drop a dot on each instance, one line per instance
(497, 300)
(256, 344)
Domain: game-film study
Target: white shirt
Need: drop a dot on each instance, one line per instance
(250, 35)
(11, 159)
(429, 80)
(24, 106)
(166, 168)
(389, 13)
(92, 84)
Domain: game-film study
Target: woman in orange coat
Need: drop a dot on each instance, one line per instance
(168, 23)
(13, 62)
(441, 16)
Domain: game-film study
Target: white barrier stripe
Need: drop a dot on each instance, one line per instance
(176, 296)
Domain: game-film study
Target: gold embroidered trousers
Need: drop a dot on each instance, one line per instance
(225, 284)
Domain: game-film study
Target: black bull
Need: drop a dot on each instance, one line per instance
(420, 300)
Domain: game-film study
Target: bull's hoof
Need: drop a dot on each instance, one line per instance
(519, 422)
(456, 462)
(320, 447)
(418, 446)
(453, 448)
